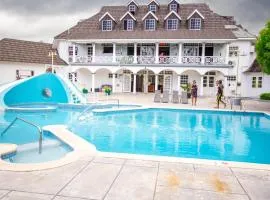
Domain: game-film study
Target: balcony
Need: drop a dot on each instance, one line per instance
(150, 60)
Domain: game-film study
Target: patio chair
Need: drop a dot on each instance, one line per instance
(157, 97)
(165, 97)
(175, 97)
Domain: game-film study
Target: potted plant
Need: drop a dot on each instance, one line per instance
(84, 91)
(107, 90)
(185, 93)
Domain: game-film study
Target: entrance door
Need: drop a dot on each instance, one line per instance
(209, 83)
(167, 83)
(126, 82)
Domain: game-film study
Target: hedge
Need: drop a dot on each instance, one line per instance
(265, 96)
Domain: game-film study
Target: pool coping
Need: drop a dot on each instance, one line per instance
(83, 148)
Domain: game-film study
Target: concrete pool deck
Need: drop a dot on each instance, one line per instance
(108, 176)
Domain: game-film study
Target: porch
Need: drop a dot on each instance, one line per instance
(149, 54)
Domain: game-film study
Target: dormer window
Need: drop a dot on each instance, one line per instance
(173, 7)
(106, 25)
(153, 8)
(132, 9)
(195, 24)
(128, 24)
(172, 24)
(150, 24)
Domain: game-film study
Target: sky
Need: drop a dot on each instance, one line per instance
(41, 20)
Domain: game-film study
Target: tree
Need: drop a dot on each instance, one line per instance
(263, 48)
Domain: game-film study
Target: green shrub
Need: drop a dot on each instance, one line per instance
(85, 91)
(265, 96)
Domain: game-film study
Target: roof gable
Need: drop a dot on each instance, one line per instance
(150, 13)
(133, 2)
(195, 11)
(128, 13)
(152, 2)
(105, 14)
(173, 12)
(176, 1)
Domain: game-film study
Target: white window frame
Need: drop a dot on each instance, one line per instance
(108, 26)
(150, 28)
(197, 22)
(172, 25)
(175, 7)
(257, 82)
(184, 79)
(132, 8)
(130, 24)
(153, 8)
(233, 51)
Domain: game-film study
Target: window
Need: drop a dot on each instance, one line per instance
(184, 79)
(205, 81)
(111, 75)
(195, 23)
(106, 25)
(231, 78)
(172, 24)
(153, 8)
(132, 9)
(107, 49)
(233, 51)
(89, 50)
(21, 74)
(150, 24)
(128, 24)
(173, 7)
(211, 81)
(70, 50)
(73, 76)
(256, 82)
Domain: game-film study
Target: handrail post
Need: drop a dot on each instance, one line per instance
(40, 142)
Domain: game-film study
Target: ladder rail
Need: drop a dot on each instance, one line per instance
(107, 100)
(40, 130)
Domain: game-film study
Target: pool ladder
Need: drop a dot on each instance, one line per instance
(40, 131)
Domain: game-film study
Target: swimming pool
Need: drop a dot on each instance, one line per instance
(229, 136)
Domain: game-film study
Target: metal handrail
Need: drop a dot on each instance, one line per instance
(30, 123)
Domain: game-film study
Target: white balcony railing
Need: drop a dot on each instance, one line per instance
(212, 60)
(168, 59)
(208, 60)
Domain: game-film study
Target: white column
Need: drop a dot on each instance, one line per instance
(156, 82)
(201, 86)
(114, 52)
(179, 83)
(203, 53)
(135, 54)
(157, 53)
(94, 52)
(74, 53)
(225, 85)
(93, 83)
(227, 53)
(113, 83)
(180, 47)
(134, 84)
(145, 82)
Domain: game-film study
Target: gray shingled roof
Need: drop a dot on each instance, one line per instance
(255, 67)
(27, 52)
(213, 25)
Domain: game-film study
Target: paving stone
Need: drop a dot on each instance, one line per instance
(177, 166)
(255, 182)
(211, 169)
(142, 163)
(108, 160)
(67, 198)
(26, 196)
(173, 193)
(134, 183)
(192, 180)
(47, 181)
(3, 193)
(93, 182)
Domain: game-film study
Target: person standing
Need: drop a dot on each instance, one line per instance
(194, 93)
(220, 91)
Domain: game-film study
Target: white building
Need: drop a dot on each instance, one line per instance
(143, 48)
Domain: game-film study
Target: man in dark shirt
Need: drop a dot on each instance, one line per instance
(220, 94)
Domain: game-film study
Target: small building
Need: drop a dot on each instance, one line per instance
(20, 59)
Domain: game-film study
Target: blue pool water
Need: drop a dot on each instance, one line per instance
(243, 137)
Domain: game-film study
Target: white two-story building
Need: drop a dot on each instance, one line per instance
(143, 48)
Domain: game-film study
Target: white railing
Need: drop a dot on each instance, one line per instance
(208, 60)
(146, 59)
(168, 59)
(212, 60)
(191, 59)
(125, 59)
